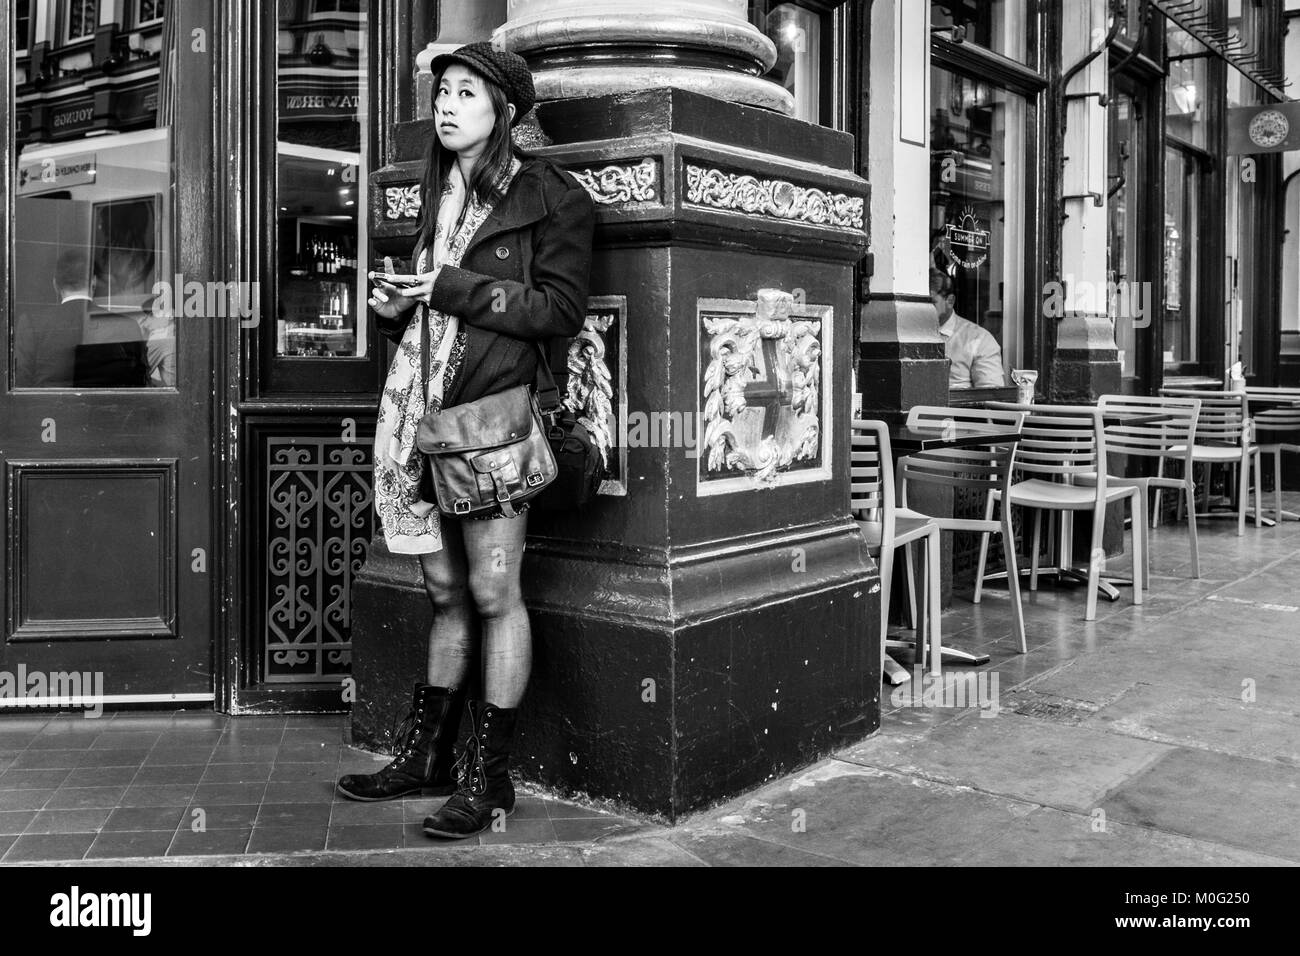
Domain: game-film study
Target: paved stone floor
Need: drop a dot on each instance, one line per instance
(1167, 734)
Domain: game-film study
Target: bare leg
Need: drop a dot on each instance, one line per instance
(494, 552)
(451, 637)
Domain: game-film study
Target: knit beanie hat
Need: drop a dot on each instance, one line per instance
(507, 70)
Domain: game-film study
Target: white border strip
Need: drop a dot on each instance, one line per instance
(83, 700)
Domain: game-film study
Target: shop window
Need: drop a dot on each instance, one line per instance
(22, 25)
(81, 17)
(978, 208)
(1130, 297)
(322, 164)
(1186, 88)
(797, 35)
(998, 25)
(806, 63)
(149, 11)
(92, 258)
(1182, 249)
(333, 7)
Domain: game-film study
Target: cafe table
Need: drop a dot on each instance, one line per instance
(910, 441)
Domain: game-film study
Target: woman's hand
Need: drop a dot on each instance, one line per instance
(390, 298)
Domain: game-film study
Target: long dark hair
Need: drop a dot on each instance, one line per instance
(487, 179)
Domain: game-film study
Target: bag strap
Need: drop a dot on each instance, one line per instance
(423, 312)
(548, 393)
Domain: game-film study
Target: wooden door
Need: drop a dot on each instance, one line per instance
(108, 317)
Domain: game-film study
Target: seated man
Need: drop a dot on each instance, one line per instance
(973, 353)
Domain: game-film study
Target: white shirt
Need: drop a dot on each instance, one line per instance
(973, 353)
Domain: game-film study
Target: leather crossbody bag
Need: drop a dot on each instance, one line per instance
(490, 452)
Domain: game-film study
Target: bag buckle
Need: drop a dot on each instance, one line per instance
(461, 506)
(535, 479)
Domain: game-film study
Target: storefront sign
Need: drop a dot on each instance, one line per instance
(50, 174)
(1273, 128)
(330, 98)
(133, 105)
(966, 244)
(73, 118)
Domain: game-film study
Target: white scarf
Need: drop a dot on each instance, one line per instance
(411, 525)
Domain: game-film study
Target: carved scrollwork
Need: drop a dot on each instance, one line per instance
(402, 202)
(618, 184)
(734, 348)
(773, 198)
(590, 392)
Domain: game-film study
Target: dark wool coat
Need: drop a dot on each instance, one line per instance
(522, 279)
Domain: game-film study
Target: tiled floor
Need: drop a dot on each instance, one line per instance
(1163, 734)
(183, 784)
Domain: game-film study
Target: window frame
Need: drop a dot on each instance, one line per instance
(834, 67)
(280, 377)
(1033, 48)
(65, 29)
(1027, 81)
(136, 18)
(22, 43)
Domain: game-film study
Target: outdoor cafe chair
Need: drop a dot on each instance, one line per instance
(1276, 423)
(1171, 436)
(1223, 437)
(1063, 451)
(980, 468)
(887, 527)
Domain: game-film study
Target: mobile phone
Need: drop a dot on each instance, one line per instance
(400, 281)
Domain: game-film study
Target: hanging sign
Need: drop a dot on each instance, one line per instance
(1271, 128)
(965, 243)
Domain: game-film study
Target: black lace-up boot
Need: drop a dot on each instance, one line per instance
(424, 745)
(483, 776)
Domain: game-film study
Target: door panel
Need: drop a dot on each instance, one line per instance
(110, 320)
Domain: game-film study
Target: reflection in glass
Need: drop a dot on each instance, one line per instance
(1185, 88)
(92, 204)
(321, 179)
(978, 202)
(1181, 253)
(1126, 287)
(797, 35)
(997, 25)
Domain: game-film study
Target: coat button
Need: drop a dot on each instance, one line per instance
(503, 252)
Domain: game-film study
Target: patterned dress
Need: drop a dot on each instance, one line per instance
(411, 524)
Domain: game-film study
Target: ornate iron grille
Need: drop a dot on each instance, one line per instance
(319, 518)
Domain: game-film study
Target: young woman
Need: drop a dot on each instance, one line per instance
(502, 260)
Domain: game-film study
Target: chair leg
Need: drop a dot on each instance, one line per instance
(886, 582)
(1259, 497)
(932, 589)
(1277, 484)
(984, 549)
(1013, 573)
(910, 564)
(1160, 473)
(1033, 555)
(1189, 492)
(1242, 485)
(1095, 557)
(1137, 505)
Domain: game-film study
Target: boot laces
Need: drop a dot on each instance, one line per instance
(471, 775)
(407, 733)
